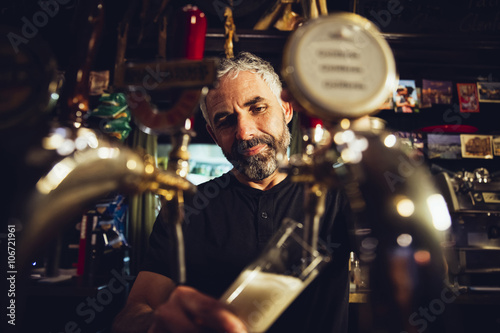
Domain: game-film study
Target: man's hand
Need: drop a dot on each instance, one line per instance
(155, 304)
(187, 310)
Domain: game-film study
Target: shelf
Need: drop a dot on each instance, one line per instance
(454, 55)
(358, 297)
(482, 298)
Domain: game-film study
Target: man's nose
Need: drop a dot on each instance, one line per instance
(245, 128)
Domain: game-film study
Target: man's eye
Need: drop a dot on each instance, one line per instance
(259, 108)
(224, 121)
(221, 123)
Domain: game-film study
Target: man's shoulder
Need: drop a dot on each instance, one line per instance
(210, 197)
(218, 187)
(218, 183)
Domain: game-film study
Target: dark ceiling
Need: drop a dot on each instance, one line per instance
(57, 23)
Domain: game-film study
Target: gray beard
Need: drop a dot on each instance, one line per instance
(257, 167)
(262, 165)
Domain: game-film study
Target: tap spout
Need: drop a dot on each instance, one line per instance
(82, 178)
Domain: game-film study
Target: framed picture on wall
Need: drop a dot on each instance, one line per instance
(489, 92)
(405, 97)
(496, 145)
(444, 146)
(467, 97)
(419, 97)
(436, 92)
(476, 146)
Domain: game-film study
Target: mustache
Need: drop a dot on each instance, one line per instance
(241, 145)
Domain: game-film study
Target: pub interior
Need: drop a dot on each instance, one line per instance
(100, 127)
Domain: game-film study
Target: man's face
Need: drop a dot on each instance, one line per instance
(249, 124)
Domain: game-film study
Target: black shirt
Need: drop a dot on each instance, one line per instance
(226, 226)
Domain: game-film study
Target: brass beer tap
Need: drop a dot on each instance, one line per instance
(281, 15)
(399, 215)
(229, 33)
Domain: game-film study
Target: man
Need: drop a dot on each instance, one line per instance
(231, 218)
(402, 104)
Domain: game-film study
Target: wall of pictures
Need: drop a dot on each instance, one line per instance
(448, 99)
(452, 124)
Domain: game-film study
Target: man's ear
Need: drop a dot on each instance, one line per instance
(288, 110)
(211, 132)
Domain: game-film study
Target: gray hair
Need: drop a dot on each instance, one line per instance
(246, 62)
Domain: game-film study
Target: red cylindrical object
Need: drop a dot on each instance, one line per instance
(189, 33)
(308, 122)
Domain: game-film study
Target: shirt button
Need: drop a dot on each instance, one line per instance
(264, 215)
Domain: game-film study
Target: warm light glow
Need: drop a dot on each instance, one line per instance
(404, 240)
(309, 149)
(345, 123)
(105, 152)
(318, 133)
(188, 124)
(360, 144)
(390, 140)
(338, 138)
(351, 156)
(348, 136)
(149, 168)
(353, 153)
(422, 257)
(193, 19)
(66, 147)
(58, 173)
(131, 164)
(439, 212)
(86, 138)
(80, 143)
(405, 207)
(53, 141)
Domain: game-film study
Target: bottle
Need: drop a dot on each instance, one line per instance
(352, 259)
(356, 273)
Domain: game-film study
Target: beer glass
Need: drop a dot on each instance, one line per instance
(266, 287)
